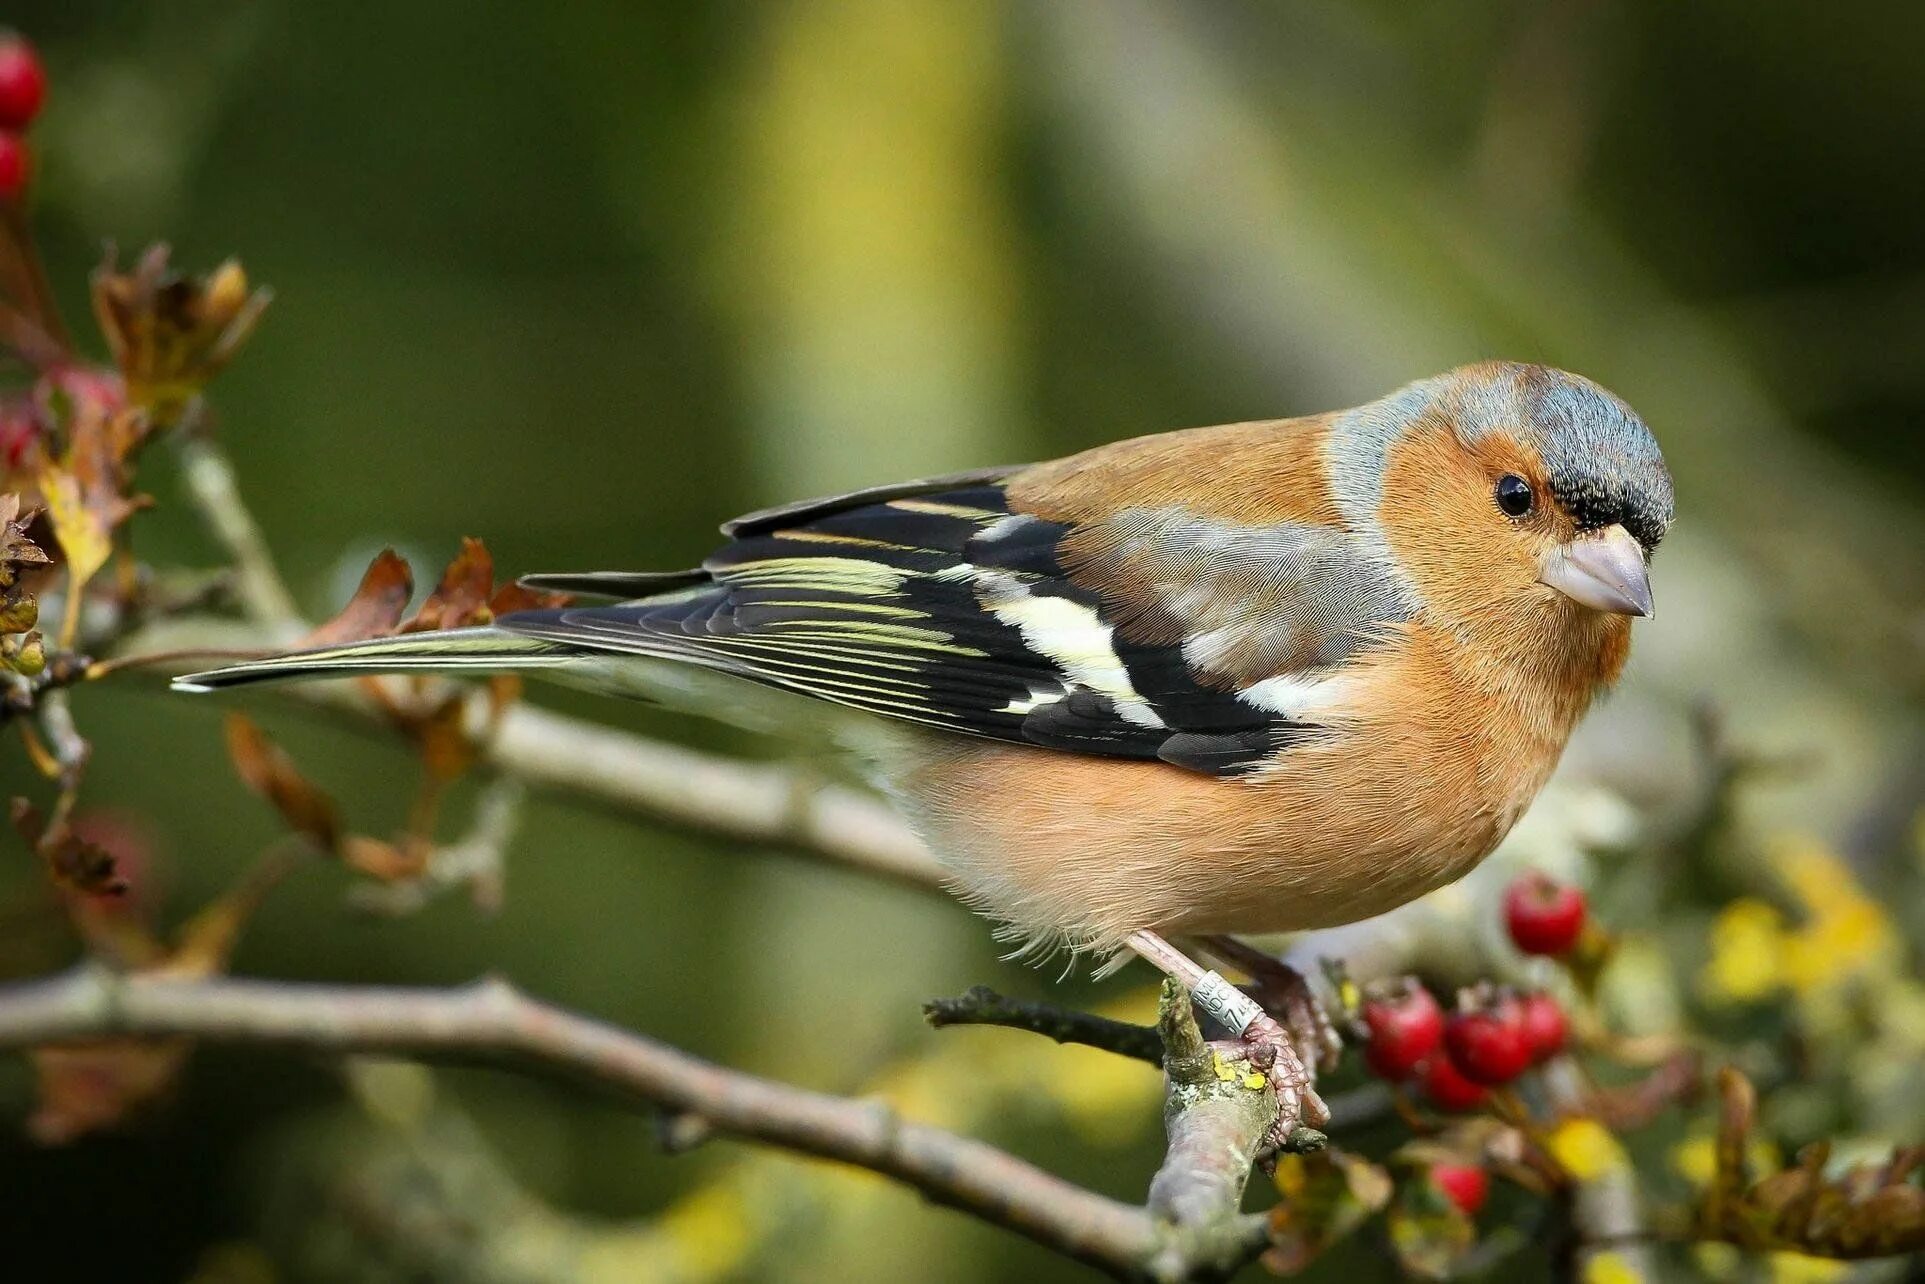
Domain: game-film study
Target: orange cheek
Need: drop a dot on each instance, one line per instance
(1441, 522)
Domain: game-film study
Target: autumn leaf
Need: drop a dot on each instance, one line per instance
(85, 1088)
(1429, 1234)
(86, 540)
(1866, 1211)
(16, 549)
(170, 334)
(73, 862)
(375, 609)
(511, 597)
(266, 769)
(388, 862)
(1327, 1196)
(206, 941)
(463, 594)
(99, 1085)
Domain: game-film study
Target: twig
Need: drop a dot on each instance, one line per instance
(262, 593)
(477, 860)
(1179, 1238)
(981, 1005)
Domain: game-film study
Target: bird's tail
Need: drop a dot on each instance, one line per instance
(472, 650)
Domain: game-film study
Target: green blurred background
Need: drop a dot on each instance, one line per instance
(585, 278)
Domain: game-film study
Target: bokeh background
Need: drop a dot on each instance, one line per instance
(584, 279)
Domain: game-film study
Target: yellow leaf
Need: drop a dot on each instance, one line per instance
(1747, 953)
(82, 532)
(1611, 1268)
(1586, 1149)
(1796, 1268)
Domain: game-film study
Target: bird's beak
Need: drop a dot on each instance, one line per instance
(1603, 570)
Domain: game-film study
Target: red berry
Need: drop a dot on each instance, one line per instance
(1489, 1044)
(1464, 1185)
(1447, 1087)
(1544, 915)
(1545, 1027)
(1404, 1029)
(23, 83)
(15, 166)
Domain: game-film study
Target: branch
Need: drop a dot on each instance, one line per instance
(1216, 1125)
(210, 483)
(981, 1005)
(489, 1022)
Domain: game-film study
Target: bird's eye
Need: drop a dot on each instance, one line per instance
(1513, 495)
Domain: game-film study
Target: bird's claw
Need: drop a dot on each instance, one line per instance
(1267, 1047)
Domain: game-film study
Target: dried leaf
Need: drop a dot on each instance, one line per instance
(441, 737)
(512, 597)
(86, 1088)
(388, 862)
(1327, 1196)
(83, 529)
(74, 863)
(1867, 1211)
(206, 941)
(1429, 1234)
(16, 549)
(269, 772)
(169, 334)
(377, 605)
(463, 594)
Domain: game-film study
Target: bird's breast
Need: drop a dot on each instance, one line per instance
(1418, 780)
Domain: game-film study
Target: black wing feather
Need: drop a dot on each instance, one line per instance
(929, 602)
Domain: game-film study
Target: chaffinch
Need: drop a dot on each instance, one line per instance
(1262, 676)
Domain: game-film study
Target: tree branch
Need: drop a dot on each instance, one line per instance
(1178, 1238)
(980, 1005)
(209, 478)
(1215, 1124)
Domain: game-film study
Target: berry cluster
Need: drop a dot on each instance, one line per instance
(1493, 1036)
(23, 88)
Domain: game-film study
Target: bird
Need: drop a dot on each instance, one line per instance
(1262, 676)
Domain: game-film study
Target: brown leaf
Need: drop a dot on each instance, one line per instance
(511, 597)
(1867, 1211)
(269, 772)
(463, 594)
(206, 941)
(1428, 1233)
(377, 605)
(169, 334)
(441, 737)
(93, 1087)
(388, 862)
(73, 863)
(16, 549)
(1327, 1196)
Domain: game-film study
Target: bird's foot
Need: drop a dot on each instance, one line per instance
(1270, 1051)
(1280, 989)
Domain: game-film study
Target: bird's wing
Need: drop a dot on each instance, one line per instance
(1139, 636)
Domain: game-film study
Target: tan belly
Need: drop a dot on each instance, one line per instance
(1086, 850)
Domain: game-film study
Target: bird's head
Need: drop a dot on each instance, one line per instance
(1510, 495)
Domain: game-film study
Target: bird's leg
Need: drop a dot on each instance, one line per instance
(1259, 1037)
(1281, 988)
